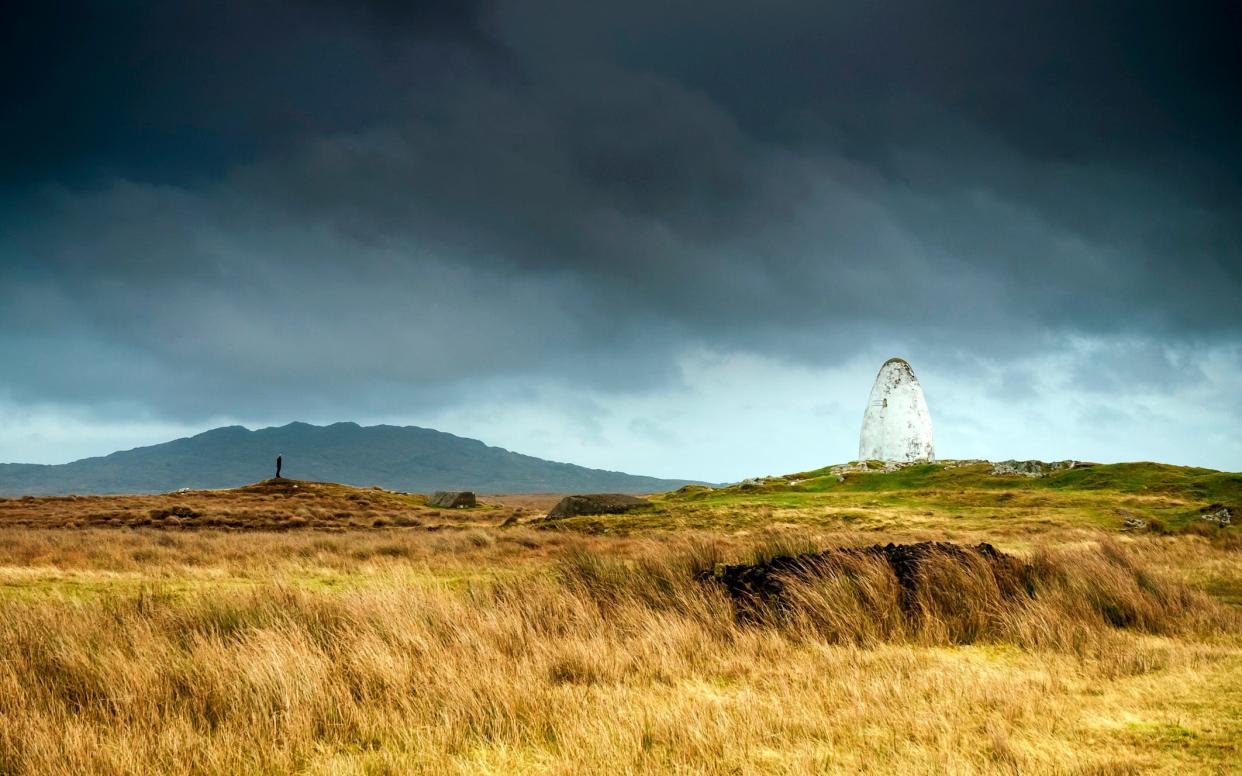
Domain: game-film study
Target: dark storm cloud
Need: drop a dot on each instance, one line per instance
(166, 91)
(1060, 79)
(238, 203)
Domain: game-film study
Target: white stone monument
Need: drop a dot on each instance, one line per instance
(896, 426)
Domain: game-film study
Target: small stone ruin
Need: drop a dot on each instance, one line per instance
(1217, 513)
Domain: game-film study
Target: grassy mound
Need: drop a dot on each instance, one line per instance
(278, 504)
(1130, 478)
(949, 497)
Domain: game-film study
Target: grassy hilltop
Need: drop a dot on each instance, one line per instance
(303, 627)
(951, 496)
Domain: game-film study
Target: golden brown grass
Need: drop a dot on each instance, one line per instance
(271, 505)
(482, 650)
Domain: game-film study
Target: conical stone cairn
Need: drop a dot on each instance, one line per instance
(897, 425)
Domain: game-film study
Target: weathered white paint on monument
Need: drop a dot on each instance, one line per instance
(897, 425)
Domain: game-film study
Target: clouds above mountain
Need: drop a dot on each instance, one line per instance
(354, 210)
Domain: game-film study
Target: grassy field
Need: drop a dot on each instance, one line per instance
(326, 629)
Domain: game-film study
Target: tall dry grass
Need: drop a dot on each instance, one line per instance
(1064, 599)
(613, 662)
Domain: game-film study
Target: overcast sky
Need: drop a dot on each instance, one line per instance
(672, 238)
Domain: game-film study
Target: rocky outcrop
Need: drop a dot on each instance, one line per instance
(452, 499)
(1032, 468)
(596, 504)
(762, 483)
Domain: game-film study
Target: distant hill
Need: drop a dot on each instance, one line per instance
(397, 458)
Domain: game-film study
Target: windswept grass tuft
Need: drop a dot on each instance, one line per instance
(1077, 601)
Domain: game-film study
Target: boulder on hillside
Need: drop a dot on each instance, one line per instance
(452, 499)
(596, 504)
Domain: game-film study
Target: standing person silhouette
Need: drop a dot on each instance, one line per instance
(278, 467)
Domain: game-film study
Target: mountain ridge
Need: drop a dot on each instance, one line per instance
(409, 458)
